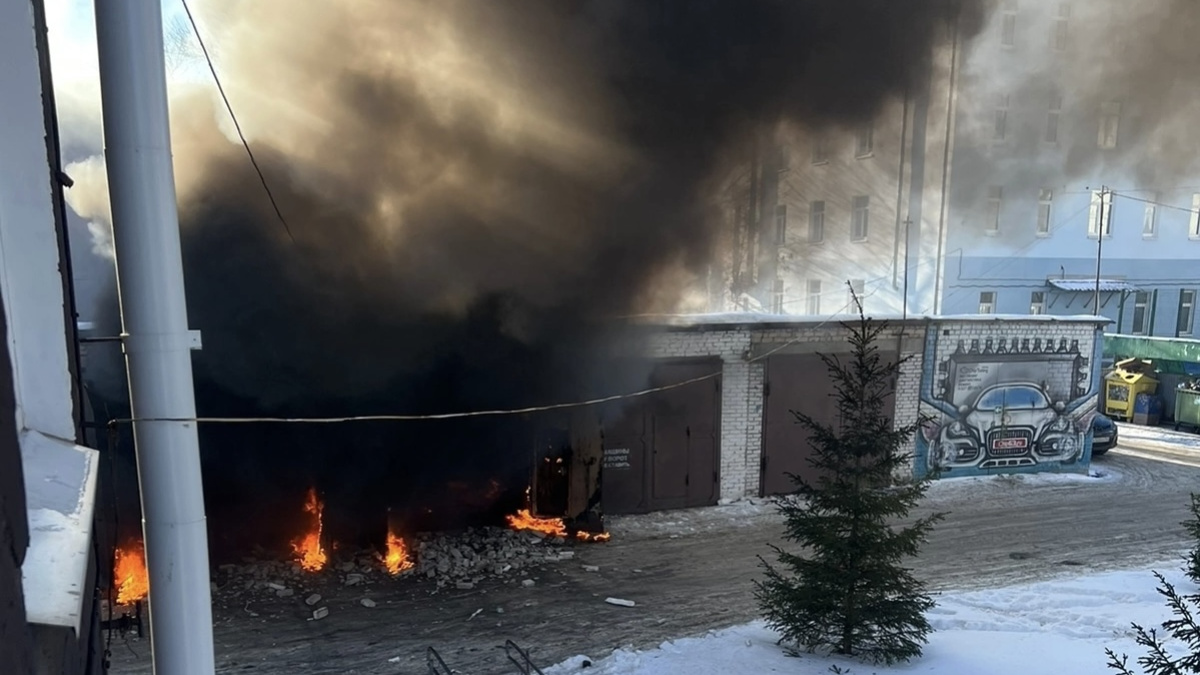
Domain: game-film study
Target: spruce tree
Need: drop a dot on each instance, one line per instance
(1183, 627)
(848, 592)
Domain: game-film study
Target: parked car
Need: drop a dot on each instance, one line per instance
(1104, 435)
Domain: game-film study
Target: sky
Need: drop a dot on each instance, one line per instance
(75, 67)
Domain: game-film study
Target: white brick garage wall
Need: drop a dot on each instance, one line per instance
(745, 342)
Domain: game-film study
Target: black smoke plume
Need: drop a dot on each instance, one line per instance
(474, 190)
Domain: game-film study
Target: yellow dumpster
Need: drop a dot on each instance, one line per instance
(1122, 386)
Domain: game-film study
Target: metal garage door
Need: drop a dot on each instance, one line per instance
(797, 382)
(663, 452)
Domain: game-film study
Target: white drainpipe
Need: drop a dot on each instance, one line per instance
(156, 338)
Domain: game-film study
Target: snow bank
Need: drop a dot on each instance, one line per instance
(1048, 628)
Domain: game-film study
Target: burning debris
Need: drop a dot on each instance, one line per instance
(397, 559)
(309, 547)
(130, 577)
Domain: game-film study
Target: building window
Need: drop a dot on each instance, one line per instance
(1037, 302)
(783, 157)
(1194, 217)
(987, 302)
(995, 198)
(816, 222)
(1098, 216)
(1150, 219)
(819, 153)
(1052, 115)
(1187, 304)
(857, 289)
(777, 297)
(864, 141)
(1110, 124)
(1141, 312)
(1008, 25)
(860, 218)
(1045, 204)
(781, 224)
(1000, 124)
(814, 297)
(1062, 27)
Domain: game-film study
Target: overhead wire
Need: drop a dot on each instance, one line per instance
(236, 125)
(474, 413)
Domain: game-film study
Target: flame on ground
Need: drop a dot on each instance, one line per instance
(130, 577)
(397, 559)
(524, 521)
(308, 547)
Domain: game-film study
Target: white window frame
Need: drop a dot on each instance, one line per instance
(812, 298)
(987, 302)
(1108, 133)
(816, 221)
(1062, 28)
(1094, 213)
(1037, 303)
(1150, 218)
(1141, 303)
(1187, 301)
(995, 204)
(1194, 218)
(1008, 25)
(864, 141)
(781, 224)
(1045, 217)
(860, 227)
(1053, 117)
(777, 296)
(820, 150)
(1000, 121)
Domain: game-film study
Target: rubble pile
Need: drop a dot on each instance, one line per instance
(459, 560)
(467, 558)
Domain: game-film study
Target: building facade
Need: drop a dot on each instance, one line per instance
(811, 213)
(1072, 178)
(49, 618)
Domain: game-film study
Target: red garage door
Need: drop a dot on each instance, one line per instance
(663, 451)
(797, 382)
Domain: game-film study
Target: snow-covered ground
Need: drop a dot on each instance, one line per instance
(1052, 628)
(1138, 434)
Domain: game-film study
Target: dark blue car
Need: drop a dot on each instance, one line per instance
(1104, 435)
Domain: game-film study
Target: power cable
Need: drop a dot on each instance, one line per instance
(474, 413)
(236, 125)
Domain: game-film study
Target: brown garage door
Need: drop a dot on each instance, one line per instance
(797, 382)
(663, 451)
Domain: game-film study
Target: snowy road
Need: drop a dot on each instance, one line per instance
(690, 572)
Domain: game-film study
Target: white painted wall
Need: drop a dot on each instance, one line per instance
(29, 262)
(60, 477)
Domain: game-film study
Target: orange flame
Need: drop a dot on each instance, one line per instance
(130, 577)
(524, 521)
(397, 559)
(308, 547)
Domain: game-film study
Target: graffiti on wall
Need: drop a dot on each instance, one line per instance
(1001, 404)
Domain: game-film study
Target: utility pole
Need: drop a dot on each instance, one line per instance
(155, 335)
(1105, 200)
(907, 227)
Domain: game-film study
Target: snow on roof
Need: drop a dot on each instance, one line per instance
(60, 487)
(1089, 285)
(731, 319)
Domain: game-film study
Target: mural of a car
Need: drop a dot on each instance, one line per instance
(1008, 425)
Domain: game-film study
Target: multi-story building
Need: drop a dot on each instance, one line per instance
(812, 213)
(1072, 172)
